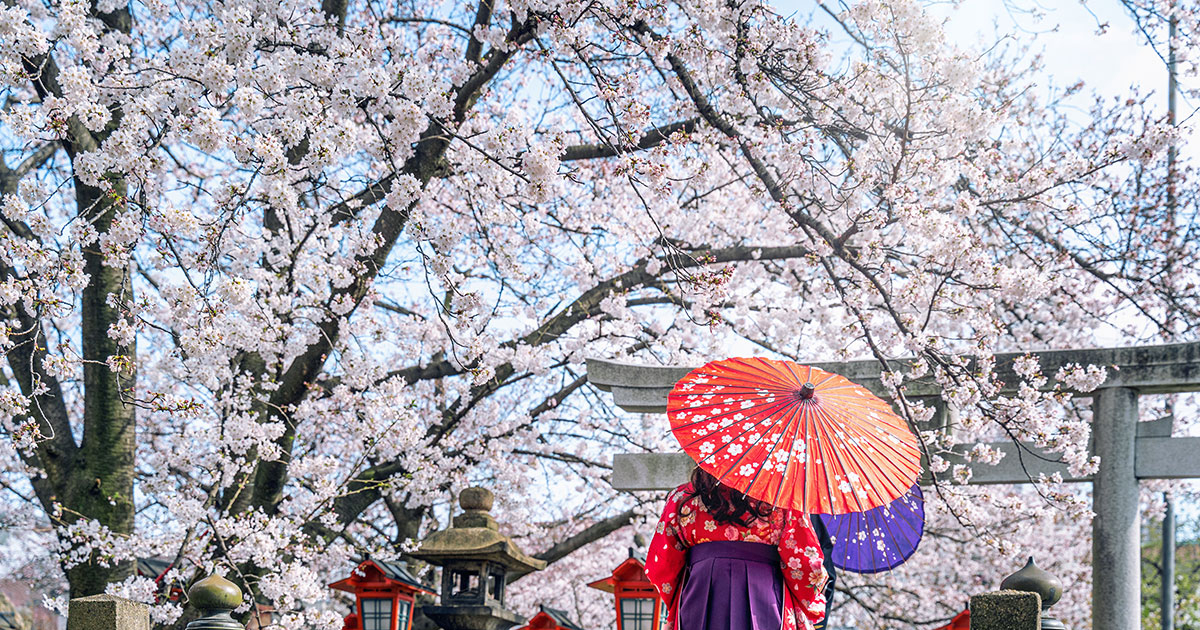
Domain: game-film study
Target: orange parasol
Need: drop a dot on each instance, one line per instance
(795, 436)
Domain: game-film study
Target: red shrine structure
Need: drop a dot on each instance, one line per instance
(550, 619)
(638, 604)
(961, 621)
(384, 595)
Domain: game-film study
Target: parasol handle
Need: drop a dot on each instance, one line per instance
(806, 392)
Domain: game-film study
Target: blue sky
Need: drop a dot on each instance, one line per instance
(1066, 32)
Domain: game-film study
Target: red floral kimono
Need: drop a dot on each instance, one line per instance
(686, 523)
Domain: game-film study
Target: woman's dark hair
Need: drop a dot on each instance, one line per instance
(726, 505)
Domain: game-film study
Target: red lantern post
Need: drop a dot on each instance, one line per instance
(384, 596)
(638, 604)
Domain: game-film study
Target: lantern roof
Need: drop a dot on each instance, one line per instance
(961, 621)
(560, 618)
(550, 619)
(474, 535)
(631, 570)
(153, 568)
(393, 574)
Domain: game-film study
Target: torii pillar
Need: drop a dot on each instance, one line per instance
(1116, 528)
(1128, 450)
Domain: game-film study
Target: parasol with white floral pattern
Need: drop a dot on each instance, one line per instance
(795, 436)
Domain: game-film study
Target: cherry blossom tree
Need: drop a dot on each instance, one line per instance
(279, 278)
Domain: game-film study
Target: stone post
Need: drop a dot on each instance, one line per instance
(1006, 610)
(1116, 530)
(107, 612)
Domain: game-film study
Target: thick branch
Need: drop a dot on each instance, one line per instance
(483, 17)
(55, 453)
(589, 535)
(35, 160)
(651, 139)
(335, 10)
(556, 399)
(364, 490)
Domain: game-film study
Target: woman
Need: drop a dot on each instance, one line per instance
(723, 561)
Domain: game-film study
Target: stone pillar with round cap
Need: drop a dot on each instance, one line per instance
(477, 562)
(1032, 579)
(1020, 604)
(215, 597)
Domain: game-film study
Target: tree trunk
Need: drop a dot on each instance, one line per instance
(101, 487)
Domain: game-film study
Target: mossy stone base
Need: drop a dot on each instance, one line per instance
(1006, 610)
(485, 617)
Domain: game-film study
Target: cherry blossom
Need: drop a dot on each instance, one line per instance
(279, 278)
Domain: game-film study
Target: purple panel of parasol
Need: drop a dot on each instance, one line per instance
(878, 539)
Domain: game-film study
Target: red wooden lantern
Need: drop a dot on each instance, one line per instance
(638, 604)
(384, 596)
(550, 619)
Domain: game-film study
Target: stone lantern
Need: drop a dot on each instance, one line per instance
(477, 561)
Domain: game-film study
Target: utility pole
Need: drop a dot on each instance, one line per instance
(1172, 88)
(1168, 566)
(1167, 599)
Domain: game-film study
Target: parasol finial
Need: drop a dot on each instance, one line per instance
(806, 391)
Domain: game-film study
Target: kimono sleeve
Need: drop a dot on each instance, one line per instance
(803, 567)
(667, 556)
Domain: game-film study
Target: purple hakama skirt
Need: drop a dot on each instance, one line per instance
(732, 586)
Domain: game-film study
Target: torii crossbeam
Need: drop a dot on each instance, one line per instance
(1128, 450)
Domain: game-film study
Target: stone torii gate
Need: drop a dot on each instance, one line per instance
(1128, 450)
